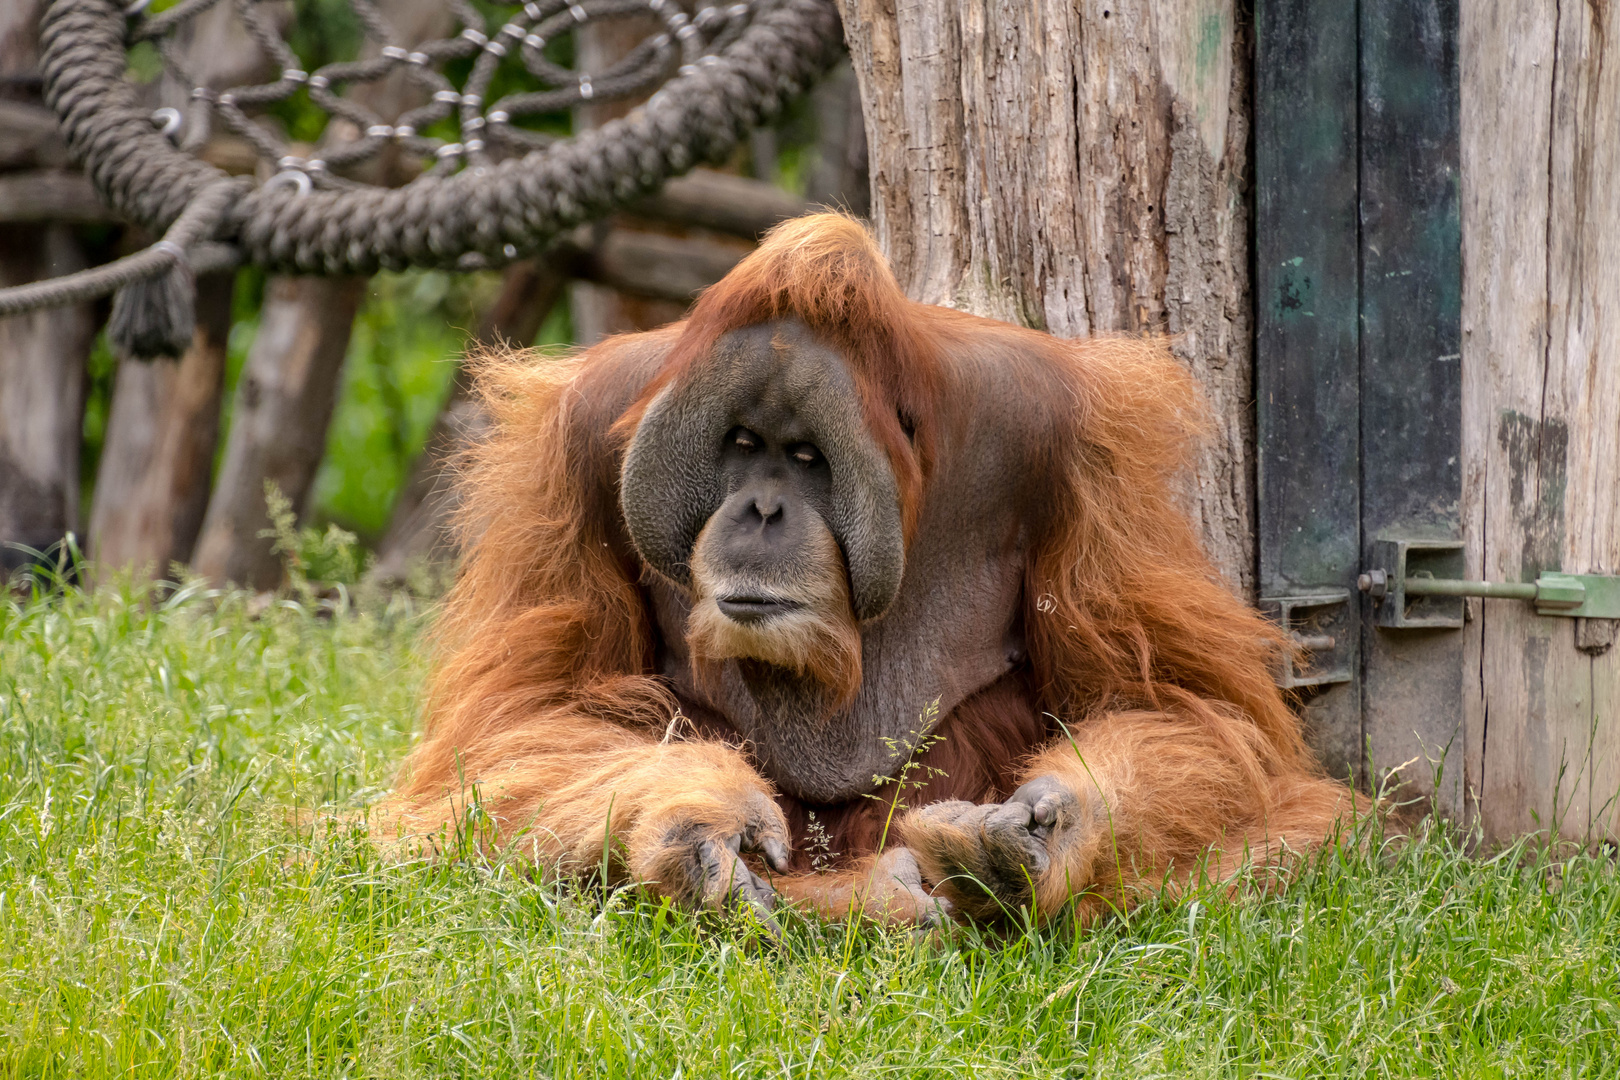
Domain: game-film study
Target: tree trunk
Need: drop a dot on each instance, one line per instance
(284, 404)
(1078, 166)
(43, 353)
(158, 459)
(1541, 398)
(42, 358)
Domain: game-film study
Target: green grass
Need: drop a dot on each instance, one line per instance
(161, 914)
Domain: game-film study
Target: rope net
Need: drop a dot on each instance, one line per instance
(491, 187)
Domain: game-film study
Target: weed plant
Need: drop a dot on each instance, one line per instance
(170, 907)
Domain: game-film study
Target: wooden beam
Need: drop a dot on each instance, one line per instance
(652, 265)
(728, 204)
(58, 195)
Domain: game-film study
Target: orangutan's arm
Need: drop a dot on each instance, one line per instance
(570, 792)
(1134, 800)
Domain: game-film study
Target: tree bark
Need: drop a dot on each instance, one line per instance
(1541, 397)
(284, 403)
(153, 486)
(1078, 166)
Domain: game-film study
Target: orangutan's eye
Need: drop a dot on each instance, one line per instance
(743, 439)
(805, 454)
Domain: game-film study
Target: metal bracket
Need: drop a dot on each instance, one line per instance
(1321, 625)
(1419, 583)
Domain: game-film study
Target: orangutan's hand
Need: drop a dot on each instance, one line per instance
(988, 858)
(694, 857)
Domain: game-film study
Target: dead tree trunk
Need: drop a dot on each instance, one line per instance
(1079, 166)
(42, 354)
(278, 429)
(284, 403)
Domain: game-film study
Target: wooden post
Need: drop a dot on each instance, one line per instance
(158, 459)
(1541, 405)
(1078, 167)
(43, 353)
(285, 400)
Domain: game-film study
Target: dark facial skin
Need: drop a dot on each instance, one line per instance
(774, 477)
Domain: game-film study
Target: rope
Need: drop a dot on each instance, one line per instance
(195, 222)
(485, 213)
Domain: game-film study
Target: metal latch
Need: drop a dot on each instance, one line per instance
(1321, 625)
(1420, 584)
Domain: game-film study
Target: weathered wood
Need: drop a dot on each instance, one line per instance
(60, 195)
(42, 358)
(1078, 167)
(285, 399)
(653, 265)
(158, 459)
(1411, 384)
(1307, 341)
(1541, 371)
(29, 138)
(278, 426)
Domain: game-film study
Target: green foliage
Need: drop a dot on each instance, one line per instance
(170, 906)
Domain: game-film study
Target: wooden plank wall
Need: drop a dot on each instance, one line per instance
(1541, 404)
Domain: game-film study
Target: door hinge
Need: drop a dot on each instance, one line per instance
(1419, 583)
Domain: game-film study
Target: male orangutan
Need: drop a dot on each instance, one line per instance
(729, 579)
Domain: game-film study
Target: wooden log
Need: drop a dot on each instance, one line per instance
(42, 362)
(285, 400)
(1079, 168)
(29, 138)
(157, 462)
(707, 199)
(278, 427)
(652, 265)
(1541, 394)
(42, 355)
(61, 195)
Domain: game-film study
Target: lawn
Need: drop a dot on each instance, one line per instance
(162, 913)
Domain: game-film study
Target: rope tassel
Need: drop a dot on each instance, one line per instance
(156, 316)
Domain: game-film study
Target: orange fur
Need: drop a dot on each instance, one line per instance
(545, 691)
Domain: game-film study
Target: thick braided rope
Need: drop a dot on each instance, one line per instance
(194, 223)
(469, 219)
